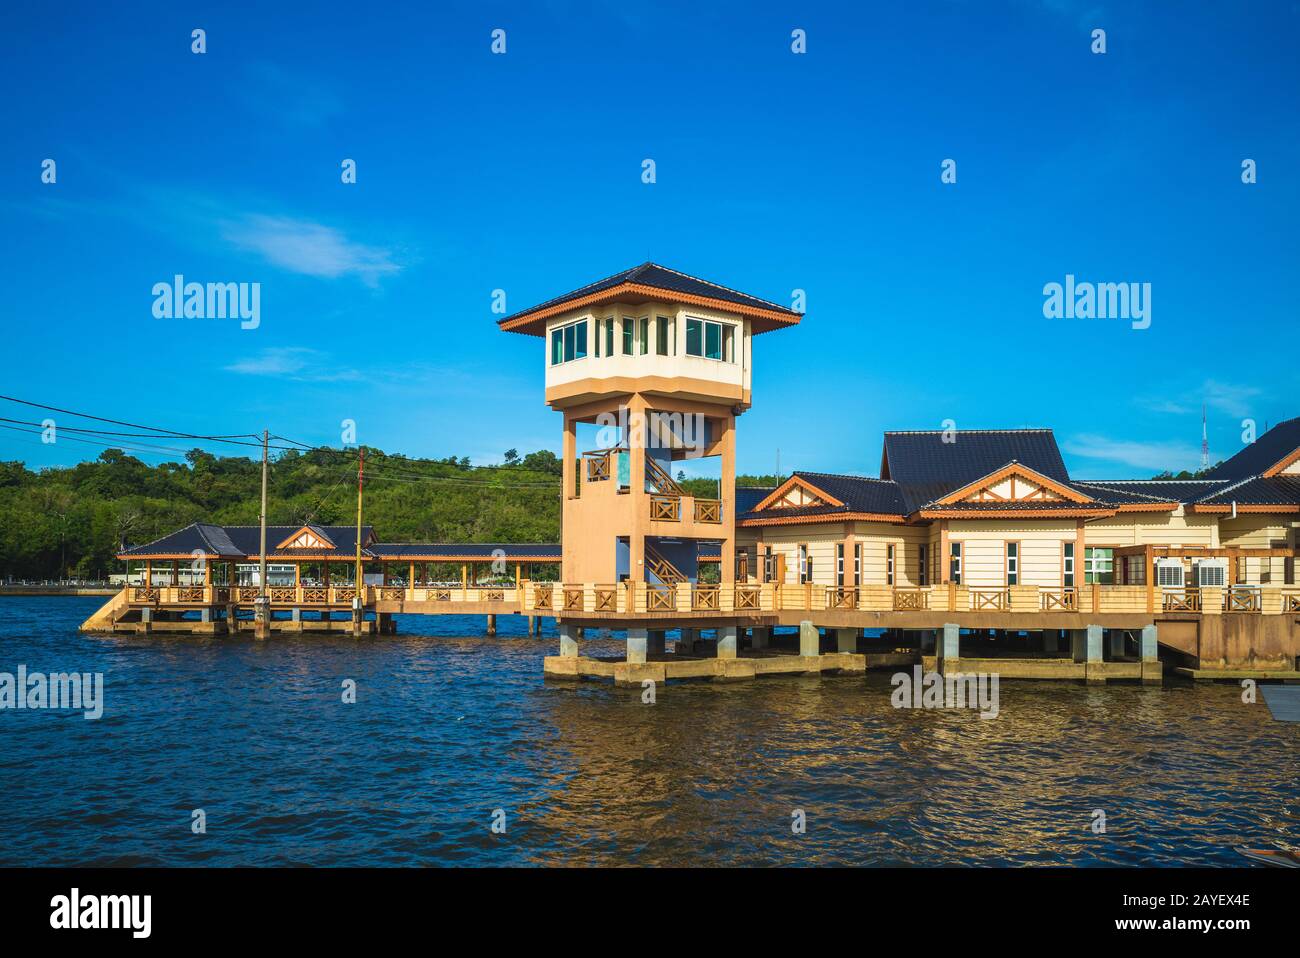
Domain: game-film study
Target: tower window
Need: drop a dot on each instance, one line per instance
(661, 335)
(710, 340)
(569, 342)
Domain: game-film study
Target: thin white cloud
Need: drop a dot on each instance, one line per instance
(1153, 456)
(297, 363)
(314, 249)
(1228, 398)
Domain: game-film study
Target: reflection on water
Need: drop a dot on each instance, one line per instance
(447, 729)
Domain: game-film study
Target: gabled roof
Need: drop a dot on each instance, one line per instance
(198, 537)
(1267, 451)
(1046, 489)
(648, 282)
(242, 542)
(842, 498)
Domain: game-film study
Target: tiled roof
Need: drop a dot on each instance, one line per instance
(244, 541)
(1136, 491)
(747, 497)
(860, 494)
(1264, 452)
(1257, 491)
(506, 551)
(661, 278)
(924, 457)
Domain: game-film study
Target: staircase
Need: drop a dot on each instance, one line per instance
(659, 479)
(108, 614)
(661, 568)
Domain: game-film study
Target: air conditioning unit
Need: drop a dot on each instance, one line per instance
(1169, 573)
(1211, 573)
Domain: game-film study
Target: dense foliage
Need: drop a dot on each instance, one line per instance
(76, 518)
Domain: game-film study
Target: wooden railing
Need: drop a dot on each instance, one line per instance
(660, 599)
(606, 598)
(704, 598)
(1181, 600)
(679, 595)
(708, 510)
(908, 600)
(839, 597)
(573, 598)
(989, 600)
(748, 597)
(665, 508)
(1060, 600)
(1241, 598)
(598, 467)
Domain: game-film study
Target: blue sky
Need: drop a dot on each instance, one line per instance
(775, 171)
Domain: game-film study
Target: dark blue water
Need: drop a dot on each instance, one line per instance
(448, 728)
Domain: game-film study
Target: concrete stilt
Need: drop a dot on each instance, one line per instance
(146, 620)
(810, 641)
(1085, 646)
(846, 640)
(1152, 671)
(532, 625)
(637, 640)
(568, 642)
(491, 624)
(761, 637)
(686, 642)
(727, 641)
(205, 614)
(948, 647)
(655, 642)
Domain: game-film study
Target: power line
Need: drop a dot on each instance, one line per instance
(163, 433)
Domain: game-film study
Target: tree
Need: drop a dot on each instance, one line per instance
(512, 456)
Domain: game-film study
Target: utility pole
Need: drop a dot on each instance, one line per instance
(357, 614)
(262, 613)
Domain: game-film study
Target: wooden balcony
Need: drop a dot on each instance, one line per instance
(708, 510)
(1060, 600)
(911, 600)
(665, 509)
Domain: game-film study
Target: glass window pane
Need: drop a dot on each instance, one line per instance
(694, 337)
(712, 341)
(661, 335)
(581, 337)
(557, 346)
(645, 335)
(627, 335)
(568, 342)
(609, 337)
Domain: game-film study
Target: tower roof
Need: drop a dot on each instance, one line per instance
(652, 282)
